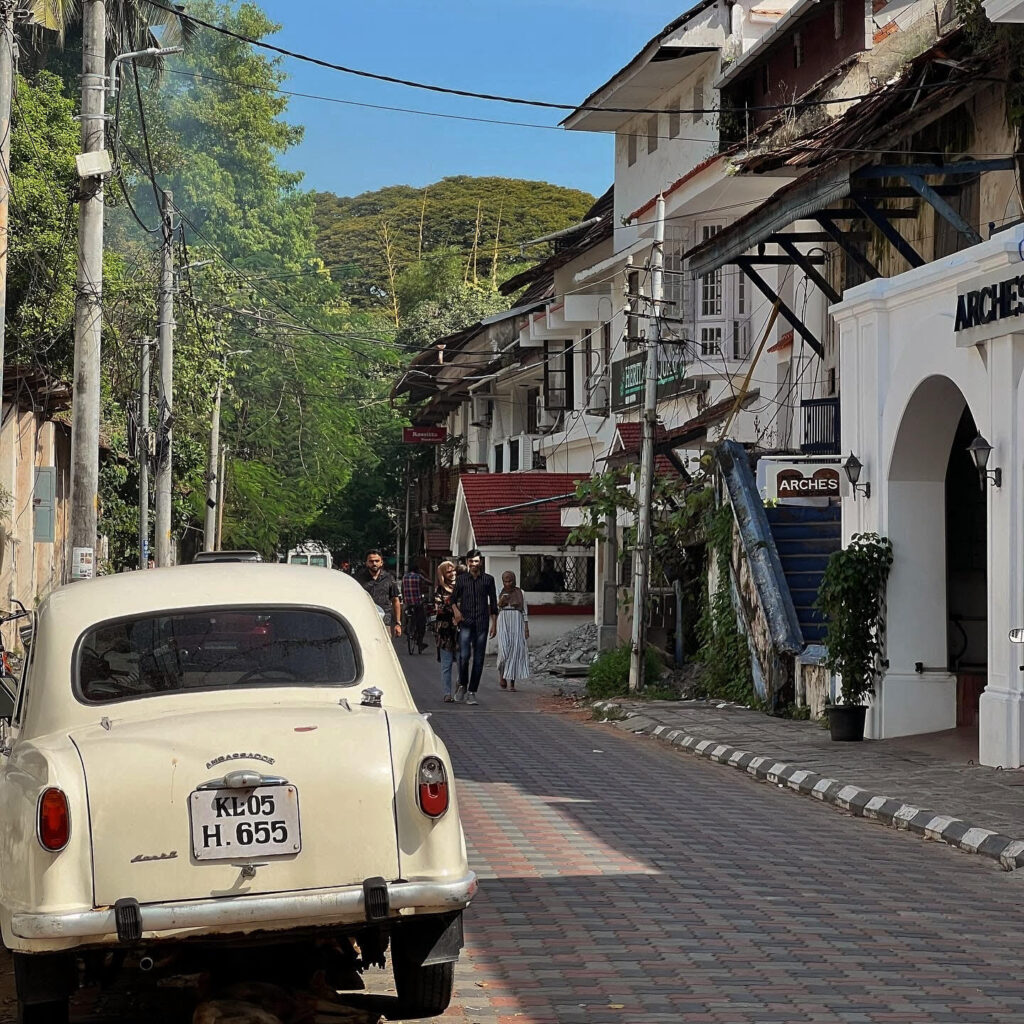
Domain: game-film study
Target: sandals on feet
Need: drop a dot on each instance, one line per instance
(449, 699)
(503, 684)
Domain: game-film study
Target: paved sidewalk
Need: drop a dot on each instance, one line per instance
(927, 785)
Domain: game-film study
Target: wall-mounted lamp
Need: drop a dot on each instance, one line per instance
(980, 450)
(852, 467)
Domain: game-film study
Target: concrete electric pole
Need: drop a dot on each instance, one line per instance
(210, 521)
(165, 414)
(642, 555)
(6, 94)
(144, 434)
(210, 529)
(85, 407)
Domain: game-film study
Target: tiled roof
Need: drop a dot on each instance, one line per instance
(627, 448)
(537, 525)
(784, 342)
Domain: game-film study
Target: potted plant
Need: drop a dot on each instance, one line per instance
(852, 598)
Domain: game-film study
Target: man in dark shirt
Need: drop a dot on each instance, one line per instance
(475, 602)
(382, 587)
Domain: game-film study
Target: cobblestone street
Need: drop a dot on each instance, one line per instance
(623, 881)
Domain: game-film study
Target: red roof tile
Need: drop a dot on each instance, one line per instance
(783, 342)
(537, 525)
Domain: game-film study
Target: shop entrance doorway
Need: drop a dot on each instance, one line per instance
(966, 574)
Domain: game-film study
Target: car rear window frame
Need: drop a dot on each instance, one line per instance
(76, 655)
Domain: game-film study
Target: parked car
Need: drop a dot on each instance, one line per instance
(288, 795)
(228, 556)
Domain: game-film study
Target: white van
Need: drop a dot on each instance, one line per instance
(310, 553)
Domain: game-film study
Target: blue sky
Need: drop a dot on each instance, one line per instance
(556, 50)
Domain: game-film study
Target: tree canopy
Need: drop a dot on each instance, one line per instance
(367, 240)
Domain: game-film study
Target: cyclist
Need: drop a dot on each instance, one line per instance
(415, 594)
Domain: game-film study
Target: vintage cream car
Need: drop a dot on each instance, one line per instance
(215, 758)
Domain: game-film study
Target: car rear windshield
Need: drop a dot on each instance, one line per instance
(213, 649)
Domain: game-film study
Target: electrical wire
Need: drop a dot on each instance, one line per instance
(496, 98)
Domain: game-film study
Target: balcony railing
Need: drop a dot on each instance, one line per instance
(821, 426)
(436, 489)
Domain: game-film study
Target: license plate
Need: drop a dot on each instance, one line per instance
(245, 823)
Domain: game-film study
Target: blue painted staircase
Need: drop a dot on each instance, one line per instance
(805, 537)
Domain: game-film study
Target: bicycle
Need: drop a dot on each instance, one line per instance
(414, 627)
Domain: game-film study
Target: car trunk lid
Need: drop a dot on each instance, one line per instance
(308, 802)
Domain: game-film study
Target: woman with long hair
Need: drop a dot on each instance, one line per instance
(446, 631)
(513, 632)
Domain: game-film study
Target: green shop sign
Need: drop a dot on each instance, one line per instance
(628, 381)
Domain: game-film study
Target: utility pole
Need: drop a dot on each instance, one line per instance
(164, 446)
(6, 94)
(222, 483)
(143, 446)
(212, 504)
(85, 407)
(642, 556)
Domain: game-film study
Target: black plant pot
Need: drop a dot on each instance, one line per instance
(846, 721)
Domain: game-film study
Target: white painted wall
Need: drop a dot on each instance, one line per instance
(905, 382)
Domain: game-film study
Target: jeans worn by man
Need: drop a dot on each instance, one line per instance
(476, 598)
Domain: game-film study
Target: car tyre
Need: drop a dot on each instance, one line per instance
(423, 991)
(53, 1012)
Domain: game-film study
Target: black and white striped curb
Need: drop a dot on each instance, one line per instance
(888, 810)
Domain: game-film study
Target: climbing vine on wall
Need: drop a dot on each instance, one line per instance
(724, 653)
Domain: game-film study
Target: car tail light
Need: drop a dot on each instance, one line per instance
(433, 787)
(54, 820)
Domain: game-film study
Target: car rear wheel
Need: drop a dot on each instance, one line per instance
(423, 991)
(54, 1012)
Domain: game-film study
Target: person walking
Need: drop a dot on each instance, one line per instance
(446, 632)
(513, 632)
(382, 588)
(415, 593)
(476, 605)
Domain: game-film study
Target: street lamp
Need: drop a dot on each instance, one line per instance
(852, 467)
(980, 451)
(152, 51)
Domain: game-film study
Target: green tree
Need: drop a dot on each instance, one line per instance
(477, 218)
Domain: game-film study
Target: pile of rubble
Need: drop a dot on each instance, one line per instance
(578, 647)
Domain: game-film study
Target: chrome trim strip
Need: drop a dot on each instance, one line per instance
(248, 911)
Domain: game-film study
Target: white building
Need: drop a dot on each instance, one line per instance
(920, 385)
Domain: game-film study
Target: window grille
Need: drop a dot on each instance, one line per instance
(710, 341)
(559, 386)
(711, 284)
(675, 280)
(557, 574)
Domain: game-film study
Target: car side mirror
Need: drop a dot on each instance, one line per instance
(1017, 636)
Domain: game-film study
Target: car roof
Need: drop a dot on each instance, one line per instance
(190, 586)
(73, 609)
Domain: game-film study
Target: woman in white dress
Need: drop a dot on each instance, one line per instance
(513, 632)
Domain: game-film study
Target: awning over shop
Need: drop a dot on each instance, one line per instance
(796, 201)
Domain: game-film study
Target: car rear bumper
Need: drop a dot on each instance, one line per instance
(245, 913)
